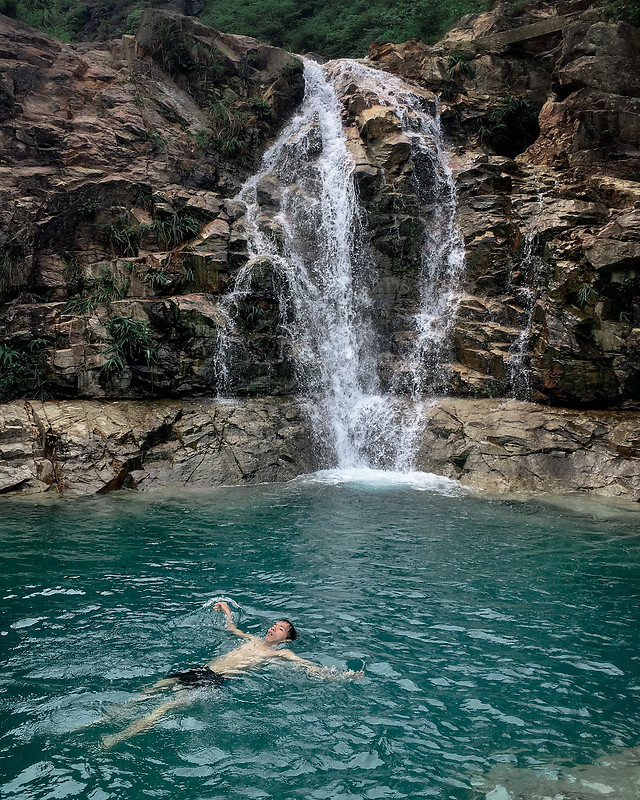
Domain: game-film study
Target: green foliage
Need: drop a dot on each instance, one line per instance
(23, 370)
(109, 287)
(461, 64)
(79, 306)
(133, 18)
(449, 90)
(98, 292)
(173, 53)
(510, 127)
(175, 230)
(624, 10)
(157, 279)
(156, 139)
(88, 208)
(122, 237)
(72, 273)
(516, 7)
(332, 28)
(251, 311)
(229, 132)
(586, 292)
(144, 198)
(292, 66)
(132, 344)
(9, 8)
(260, 108)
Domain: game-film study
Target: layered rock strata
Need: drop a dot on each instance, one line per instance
(88, 447)
(496, 445)
(119, 236)
(119, 162)
(541, 112)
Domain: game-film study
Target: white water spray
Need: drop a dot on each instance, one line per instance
(303, 214)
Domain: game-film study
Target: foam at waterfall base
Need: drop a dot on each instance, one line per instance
(366, 477)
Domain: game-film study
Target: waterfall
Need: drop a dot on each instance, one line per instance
(532, 273)
(303, 215)
(520, 351)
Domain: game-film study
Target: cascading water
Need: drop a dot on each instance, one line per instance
(520, 350)
(532, 272)
(303, 216)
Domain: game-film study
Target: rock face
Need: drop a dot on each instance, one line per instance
(506, 445)
(118, 162)
(87, 447)
(548, 200)
(119, 237)
(497, 445)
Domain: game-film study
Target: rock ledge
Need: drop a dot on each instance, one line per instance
(84, 447)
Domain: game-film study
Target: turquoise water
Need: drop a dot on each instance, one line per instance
(500, 638)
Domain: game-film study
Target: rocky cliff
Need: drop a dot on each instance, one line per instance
(119, 235)
(494, 445)
(118, 165)
(542, 113)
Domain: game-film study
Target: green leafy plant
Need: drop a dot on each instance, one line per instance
(100, 292)
(449, 90)
(332, 28)
(110, 287)
(292, 66)
(175, 229)
(251, 311)
(461, 63)
(123, 238)
(23, 370)
(132, 344)
(79, 306)
(260, 108)
(624, 10)
(144, 198)
(88, 208)
(511, 126)
(73, 274)
(156, 139)
(230, 134)
(157, 279)
(586, 292)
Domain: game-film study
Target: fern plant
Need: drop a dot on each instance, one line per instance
(132, 343)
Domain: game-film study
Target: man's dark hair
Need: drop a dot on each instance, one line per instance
(293, 633)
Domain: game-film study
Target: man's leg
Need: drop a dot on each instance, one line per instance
(144, 723)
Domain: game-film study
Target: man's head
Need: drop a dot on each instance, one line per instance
(281, 631)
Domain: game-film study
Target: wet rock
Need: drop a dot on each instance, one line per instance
(508, 445)
(496, 445)
(91, 447)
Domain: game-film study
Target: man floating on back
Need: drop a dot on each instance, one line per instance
(251, 654)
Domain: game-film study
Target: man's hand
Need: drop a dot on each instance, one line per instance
(352, 675)
(231, 626)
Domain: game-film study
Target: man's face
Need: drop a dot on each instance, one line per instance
(277, 633)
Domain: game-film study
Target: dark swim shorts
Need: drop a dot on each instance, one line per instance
(202, 676)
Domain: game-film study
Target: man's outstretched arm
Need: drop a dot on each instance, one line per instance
(316, 669)
(231, 626)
